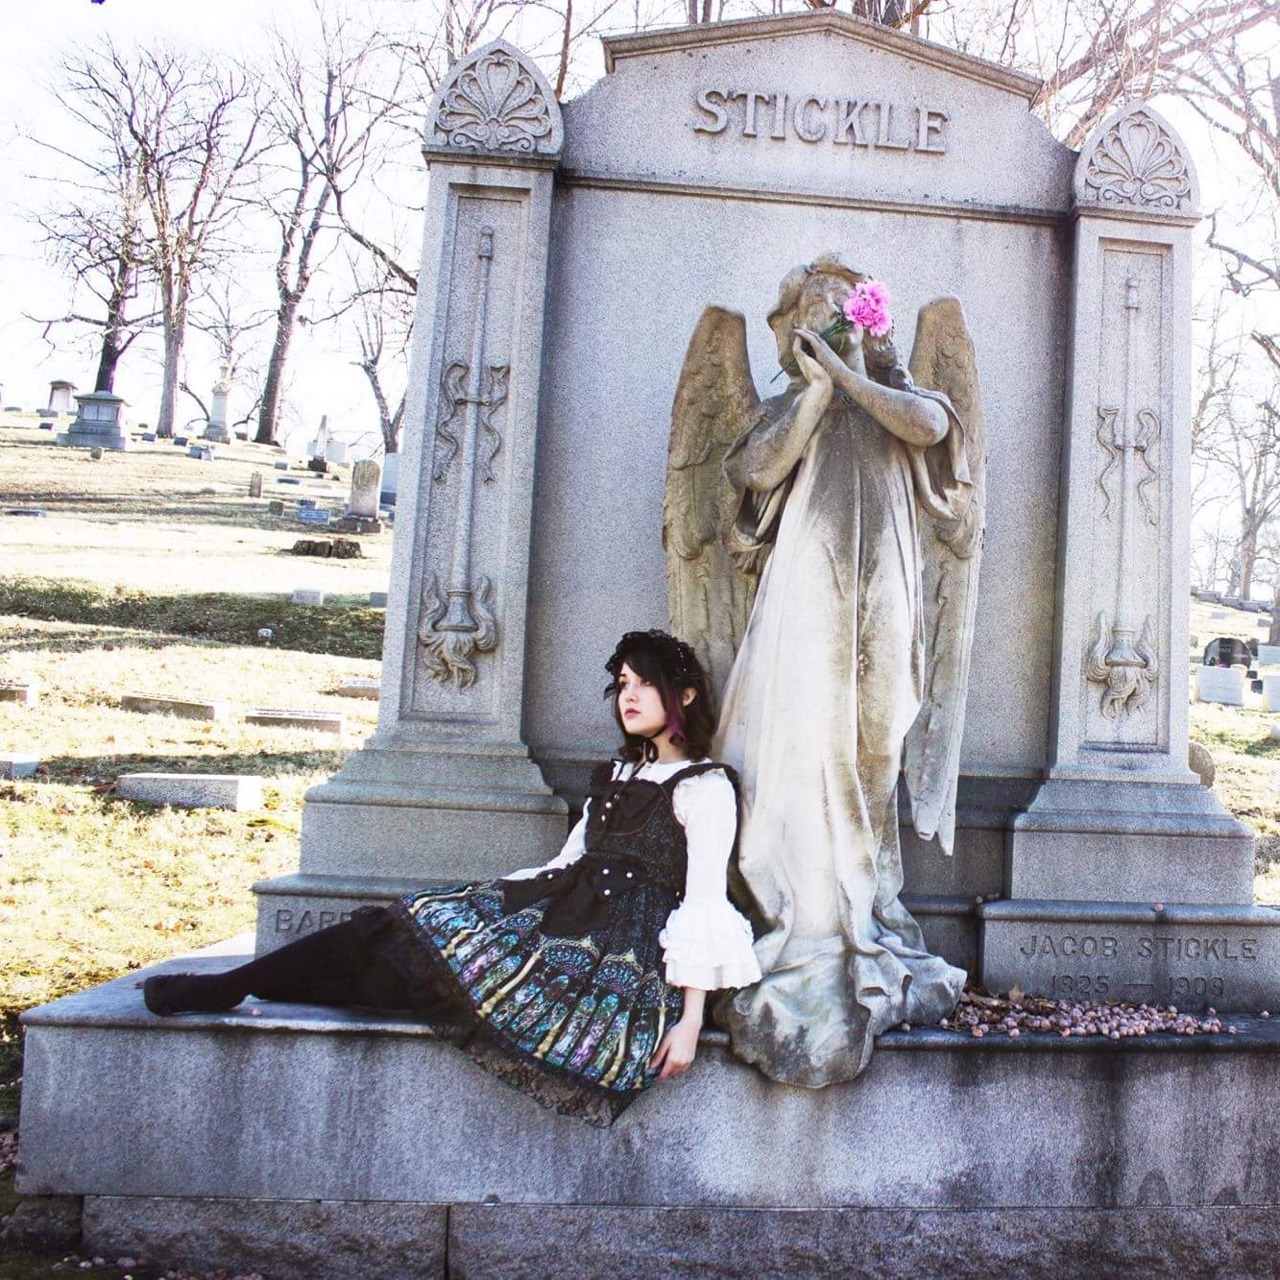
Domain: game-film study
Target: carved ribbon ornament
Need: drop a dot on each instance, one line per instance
(460, 623)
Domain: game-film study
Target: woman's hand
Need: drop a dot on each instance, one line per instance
(678, 1049)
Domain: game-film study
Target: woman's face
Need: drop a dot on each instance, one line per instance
(640, 705)
(820, 302)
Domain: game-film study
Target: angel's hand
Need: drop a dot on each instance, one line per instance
(812, 367)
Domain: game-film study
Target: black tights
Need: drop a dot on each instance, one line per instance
(334, 966)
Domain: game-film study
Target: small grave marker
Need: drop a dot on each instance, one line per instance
(287, 480)
(1270, 691)
(14, 765)
(321, 721)
(192, 790)
(377, 599)
(180, 442)
(148, 436)
(309, 515)
(304, 595)
(34, 513)
(147, 704)
(26, 692)
(1223, 685)
(255, 485)
(275, 507)
(361, 687)
(1269, 655)
(281, 465)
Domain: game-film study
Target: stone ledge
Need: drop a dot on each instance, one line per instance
(256, 1103)
(238, 792)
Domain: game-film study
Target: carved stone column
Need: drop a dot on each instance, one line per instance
(1120, 818)
(446, 789)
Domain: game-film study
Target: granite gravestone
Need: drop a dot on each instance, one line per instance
(524, 556)
(216, 428)
(567, 256)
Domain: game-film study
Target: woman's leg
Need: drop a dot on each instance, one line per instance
(331, 966)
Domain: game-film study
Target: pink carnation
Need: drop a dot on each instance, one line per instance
(868, 306)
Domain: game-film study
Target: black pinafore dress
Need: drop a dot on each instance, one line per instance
(556, 983)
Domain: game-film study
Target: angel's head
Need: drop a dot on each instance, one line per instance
(811, 296)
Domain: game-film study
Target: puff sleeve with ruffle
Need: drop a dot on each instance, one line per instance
(707, 941)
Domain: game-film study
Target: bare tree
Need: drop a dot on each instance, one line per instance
(190, 130)
(325, 119)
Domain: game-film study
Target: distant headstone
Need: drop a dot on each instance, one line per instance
(1255, 686)
(377, 599)
(1270, 693)
(1269, 655)
(1217, 615)
(281, 465)
(14, 765)
(96, 453)
(360, 687)
(255, 485)
(309, 515)
(390, 479)
(1223, 685)
(27, 692)
(287, 480)
(275, 507)
(192, 790)
(216, 428)
(46, 426)
(33, 513)
(366, 484)
(175, 707)
(336, 451)
(306, 503)
(1264, 623)
(321, 721)
(318, 465)
(60, 393)
(303, 595)
(101, 422)
(148, 436)
(1195, 641)
(180, 442)
(1200, 762)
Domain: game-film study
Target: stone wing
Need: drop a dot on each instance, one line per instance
(943, 360)
(708, 595)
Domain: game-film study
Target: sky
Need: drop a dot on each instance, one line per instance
(323, 380)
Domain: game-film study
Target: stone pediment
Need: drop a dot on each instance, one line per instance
(818, 104)
(841, 25)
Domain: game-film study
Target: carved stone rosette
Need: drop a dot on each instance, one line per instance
(496, 101)
(1136, 160)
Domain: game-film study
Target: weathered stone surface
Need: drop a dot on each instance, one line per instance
(42, 1223)
(26, 692)
(17, 765)
(1269, 655)
(366, 484)
(584, 1243)
(378, 599)
(1143, 1121)
(1194, 957)
(175, 707)
(283, 1239)
(321, 721)
(192, 790)
(304, 595)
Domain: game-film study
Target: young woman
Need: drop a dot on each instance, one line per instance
(581, 982)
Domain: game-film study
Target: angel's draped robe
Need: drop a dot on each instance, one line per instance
(825, 686)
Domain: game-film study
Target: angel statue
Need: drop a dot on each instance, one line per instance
(855, 498)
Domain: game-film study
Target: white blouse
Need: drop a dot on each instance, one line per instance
(706, 942)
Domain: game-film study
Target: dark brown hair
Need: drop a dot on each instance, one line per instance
(671, 666)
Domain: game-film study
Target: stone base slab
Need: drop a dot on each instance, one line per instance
(441, 812)
(89, 438)
(1194, 957)
(335, 1240)
(1127, 841)
(283, 1102)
